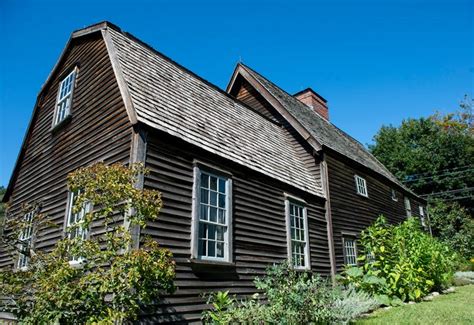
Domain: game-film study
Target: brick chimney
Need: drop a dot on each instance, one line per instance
(313, 100)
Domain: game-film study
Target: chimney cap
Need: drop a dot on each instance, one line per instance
(309, 89)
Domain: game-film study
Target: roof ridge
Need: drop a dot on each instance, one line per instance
(283, 90)
(186, 70)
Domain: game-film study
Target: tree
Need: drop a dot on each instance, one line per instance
(433, 156)
(453, 225)
(114, 279)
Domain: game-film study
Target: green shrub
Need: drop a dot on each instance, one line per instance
(291, 297)
(453, 225)
(407, 263)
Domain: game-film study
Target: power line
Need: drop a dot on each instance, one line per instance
(459, 190)
(442, 175)
(439, 171)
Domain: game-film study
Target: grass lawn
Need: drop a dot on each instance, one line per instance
(453, 308)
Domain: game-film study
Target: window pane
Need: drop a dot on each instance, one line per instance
(204, 196)
(220, 233)
(222, 185)
(202, 247)
(221, 216)
(213, 214)
(220, 249)
(221, 201)
(204, 212)
(213, 199)
(204, 180)
(213, 183)
(211, 248)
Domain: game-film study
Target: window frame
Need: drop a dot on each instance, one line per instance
(301, 204)
(422, 215)
(85, 233)
(345, 238)
(408, 209)
(198, 169)
(23, 260)
(361, 184)
(59, 100)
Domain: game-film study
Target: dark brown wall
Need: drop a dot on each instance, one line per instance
(259, 233)
(99, 130)
(351, 212)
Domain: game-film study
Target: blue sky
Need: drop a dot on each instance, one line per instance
(376, 62)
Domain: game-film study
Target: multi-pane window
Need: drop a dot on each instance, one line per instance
(74, 221)
(394, 195)
(408, 207)
(213, 216)
(350, 251)
(298, 235)
(361, 186)
(64, 101)
(25, 240)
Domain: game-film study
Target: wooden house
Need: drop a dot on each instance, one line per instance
(250, 175)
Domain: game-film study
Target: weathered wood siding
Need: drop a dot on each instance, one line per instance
(259, 230)
(351, 212)
(99, 130)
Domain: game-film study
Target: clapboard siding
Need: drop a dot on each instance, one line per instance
(98, 131)
(352, 213)
(259, 229)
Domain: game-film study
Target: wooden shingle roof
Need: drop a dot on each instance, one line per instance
(168, 97)
(323, 131)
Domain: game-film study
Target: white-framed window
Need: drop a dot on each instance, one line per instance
(350, 251)
(422, 216)
(408, 207)
(394, 195)
(212, 216)
(361, 186)
(298, 236)
(64, 98)
(25, 239)
(74, 221)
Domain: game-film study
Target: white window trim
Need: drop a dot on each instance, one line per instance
(408, 207)
(228, 238)
(301, 203)
(73, 86)
(363, 184)
(422, 216)
(394, 195)
(69, 208)
(22, 237)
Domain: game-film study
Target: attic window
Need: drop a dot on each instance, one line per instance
(64, 99)
(361, 186)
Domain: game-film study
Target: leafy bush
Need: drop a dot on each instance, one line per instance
(113, 279)
(453, 225)
(407, 263)
(291, 297)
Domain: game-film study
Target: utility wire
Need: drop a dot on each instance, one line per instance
(439, 171)
(460, 190)
(439, 175)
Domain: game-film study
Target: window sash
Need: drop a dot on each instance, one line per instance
(64, 99)
(361, 186)
(25, 239)
(350, 251)
(298, 241)
(212, 216)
